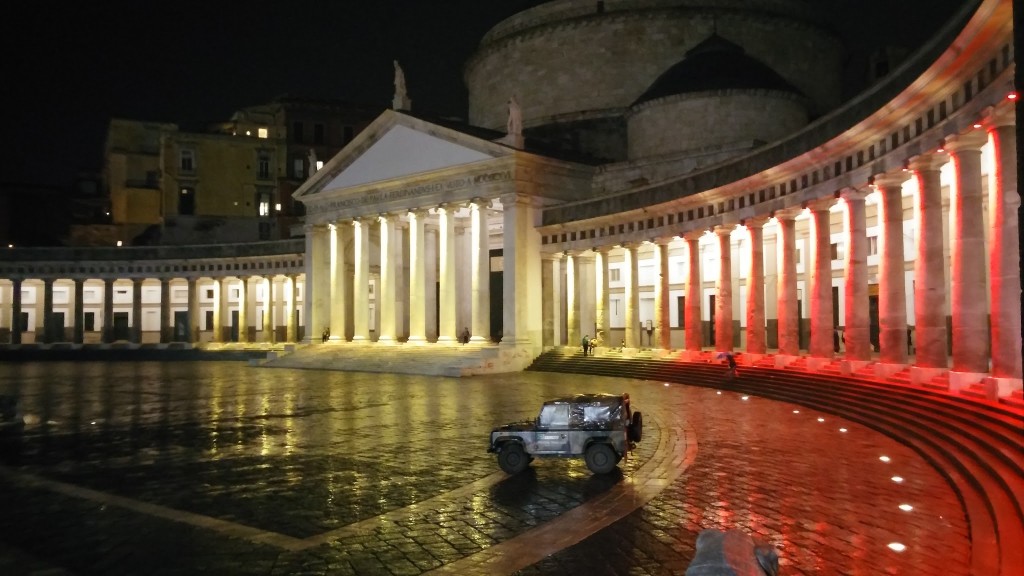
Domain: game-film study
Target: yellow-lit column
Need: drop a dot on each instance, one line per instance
(856, 330)
(386, 296)
(243, 310)
(480, 271)
(340, 283)
(417, 278)
(220, 299)
(446, 265)
(16, 324)
(755, 331)
(630, 273)
(820, 292)
(663, 320)
(521, 275)
(165, 310)
(193, 310)
(694, 328)
(551, 301)
(268, 310)
(108, 311)
(572, 301)
(48, 311)
(79, 319)
(601, 276)
(430, 242)
(317, 284)
(291, 326)
(361, 281)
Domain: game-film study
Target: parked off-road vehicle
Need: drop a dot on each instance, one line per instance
(600, 427)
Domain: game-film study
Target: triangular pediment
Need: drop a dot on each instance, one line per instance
(397, 146)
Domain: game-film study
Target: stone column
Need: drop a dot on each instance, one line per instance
(585, 277)
(340, 283)
(388, 281)
(789, 312)
(243, 310)
(136, 310)
(572, 300)
(108, 311)
(723, 290)
(48, 311)
(822, 323)
(16, 324)
(447, 289)
(1004, 255)
(892, 294)
(361, 281)
(856, 329)
(630, 273)
(694, 323)
(601, 276)
(969, 296)
(551, 299)
(480, 272)
(268, 311)
(417, 278)
(663, 322)
(79, 320)
(930, 333)
(756, 337)
(291, 326)
(317, 284)
(520, 285)
(193, 310)
(430, 299)
(165, 311)
(220, 306)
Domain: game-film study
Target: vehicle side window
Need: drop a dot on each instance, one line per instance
(554, 416)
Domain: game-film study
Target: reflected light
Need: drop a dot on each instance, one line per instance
(906, 507)
(897, 479)
(897, 547)
(842, 429)
(884, 458)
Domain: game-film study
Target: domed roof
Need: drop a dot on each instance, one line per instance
(715, 64)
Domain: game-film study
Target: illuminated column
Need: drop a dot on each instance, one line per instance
(108, 311)
(694, 328)
(585, 277)
(79, 319)
(789, 313)
(361, 281)
(756, 337)
(220, 297)
(521, 250)
(480, 271)
(47, 311)
(243, 310)
(16, 327)
(193, 310)
(822, 325)
(339, 283)
(968, 296)
(551, 299)
(1004, 256)
(601, 319)
(631, 280)
(386, 296)
(268, 310)
(136, 310)
(291, 328)
(165, 311)
(892, 294)
(447, 281)
(317, 284)
(663, 322)
(930, 331)
(723, 290)
(572, 300)
(417, 278)
(430, 264)
(856, 330)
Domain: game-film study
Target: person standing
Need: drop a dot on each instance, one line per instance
(586, 344)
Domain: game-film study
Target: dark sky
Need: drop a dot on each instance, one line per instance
(69, 68)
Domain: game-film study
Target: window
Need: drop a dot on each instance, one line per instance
(262, 133)
(264, 204)
(263, 166)
(318, 133)
(89, 321)
(614, 275)
(554, 416)
(187, 160)
(297, 132)
(298, 167)
(834, 250)
(872, 245)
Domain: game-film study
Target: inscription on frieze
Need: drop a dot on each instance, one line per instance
(372, 197)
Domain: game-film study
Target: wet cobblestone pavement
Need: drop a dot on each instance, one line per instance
(219, 468)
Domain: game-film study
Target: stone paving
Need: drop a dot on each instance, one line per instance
(220, 468)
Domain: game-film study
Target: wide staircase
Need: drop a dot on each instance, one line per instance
(400, 358)
(976, 443)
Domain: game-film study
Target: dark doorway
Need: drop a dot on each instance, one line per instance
(122, 330)
(234, 326)
(873, 325)
(497, 306)
(187, 201)
(181, 327)
(711, 320)
(56, 328)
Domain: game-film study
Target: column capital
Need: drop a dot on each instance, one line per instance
(851, 194)
(820, 204)
(515, 198)
(723, 230)
(787, 213)
(927, 162)
(755, 222)
(970, 141)
(1000, 115)
(890, 180)
(419, 213)
(694, 235)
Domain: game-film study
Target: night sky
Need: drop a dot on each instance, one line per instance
(70, 68)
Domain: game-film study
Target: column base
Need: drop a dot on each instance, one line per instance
(416, 340)
(447, 340)
(849, 367)
(920, 375)
(960, 380)
(749, 359)
(999, 387)
(783, 360)
(815, 364)
(883, 370)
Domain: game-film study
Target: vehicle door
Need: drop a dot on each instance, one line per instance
(553, 429)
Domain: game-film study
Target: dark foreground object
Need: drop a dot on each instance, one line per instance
(732, 553)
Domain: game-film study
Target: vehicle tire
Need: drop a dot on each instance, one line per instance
(512, 458)
(600, 458)
(636, 427)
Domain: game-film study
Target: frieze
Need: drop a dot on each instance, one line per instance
(372, 197)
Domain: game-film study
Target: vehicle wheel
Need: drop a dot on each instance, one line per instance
(512, 458)
(600, 458)
(636, 427)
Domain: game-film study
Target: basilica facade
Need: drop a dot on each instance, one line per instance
(662, 176)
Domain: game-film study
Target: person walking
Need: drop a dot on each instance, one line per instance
(586, 344)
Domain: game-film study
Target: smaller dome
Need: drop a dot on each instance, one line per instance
(715, 64)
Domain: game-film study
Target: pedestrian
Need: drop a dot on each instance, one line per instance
(731, 373)
(835, 339)
(465, 335)
(586, 344)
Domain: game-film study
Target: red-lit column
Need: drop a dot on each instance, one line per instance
(694, 330)
(855, 318)
(756, 343)
(631, 281)
(968, 294)
(822, 324)
(930, 334)
(723, 290)
(269, 304)
(1004, 256)
(788, 311)
(663, 325)
(892, 291)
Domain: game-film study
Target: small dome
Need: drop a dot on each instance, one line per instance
(715, 64)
